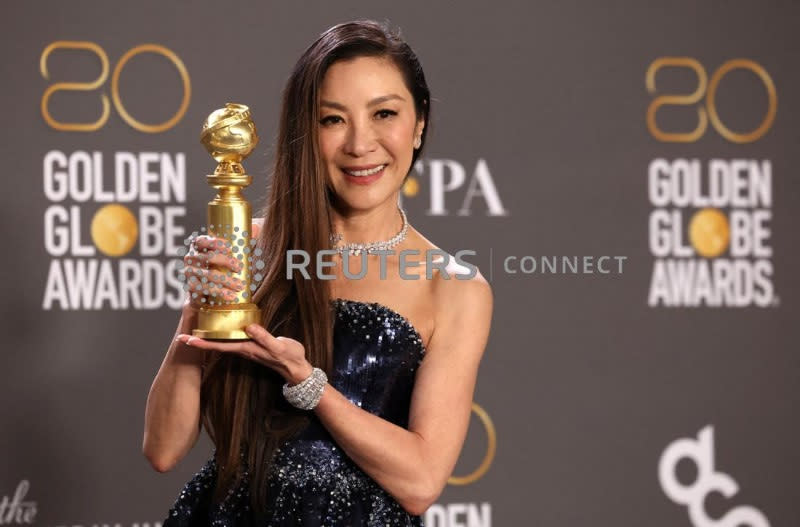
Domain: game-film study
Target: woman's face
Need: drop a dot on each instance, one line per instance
(367, 121)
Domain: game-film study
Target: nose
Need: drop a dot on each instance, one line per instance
(360, 139)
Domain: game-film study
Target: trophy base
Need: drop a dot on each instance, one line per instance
(226, 322)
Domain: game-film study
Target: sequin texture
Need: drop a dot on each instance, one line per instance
(313, 482)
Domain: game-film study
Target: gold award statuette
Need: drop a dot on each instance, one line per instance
(229, 135)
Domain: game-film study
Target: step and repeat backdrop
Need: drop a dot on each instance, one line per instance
(626, 174)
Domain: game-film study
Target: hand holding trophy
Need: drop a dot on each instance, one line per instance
(229, 135)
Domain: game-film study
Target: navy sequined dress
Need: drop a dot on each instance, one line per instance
(313, 482)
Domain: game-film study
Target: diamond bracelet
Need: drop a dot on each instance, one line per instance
(306, 394)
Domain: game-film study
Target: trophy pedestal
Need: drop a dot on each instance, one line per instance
(226, 322)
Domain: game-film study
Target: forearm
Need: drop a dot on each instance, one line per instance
(393, 456)
(172, 414)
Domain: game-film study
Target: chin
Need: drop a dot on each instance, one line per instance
(361, 203)
(364, 199)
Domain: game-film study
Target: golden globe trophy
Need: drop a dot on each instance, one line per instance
(229, 135)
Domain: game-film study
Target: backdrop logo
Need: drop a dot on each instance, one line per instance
(701, 453)
(14, 510)
(77, 278)
(706, 92)
(709, 229)
(98, 83)
(447, 178)
(104, 205)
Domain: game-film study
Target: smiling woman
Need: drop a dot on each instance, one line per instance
(350, 405)
(365, 141)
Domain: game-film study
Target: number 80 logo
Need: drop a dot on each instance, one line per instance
(89, 86)
(710, 111)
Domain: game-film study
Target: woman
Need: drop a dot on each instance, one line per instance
(385, 397)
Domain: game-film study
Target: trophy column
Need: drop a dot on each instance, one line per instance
(229, 135)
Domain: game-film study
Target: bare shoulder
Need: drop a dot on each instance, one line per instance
(462, 298)
(462, 287)
(455, 270)
(463, 316)
(259, 221)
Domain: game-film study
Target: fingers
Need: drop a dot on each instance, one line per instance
(204, 281)
(250, 349)
(264, 337)
(205, 241)
(208, 282)
(212, 259)
(207, 259)
(247, 349)
(261, 339)
(213, 251)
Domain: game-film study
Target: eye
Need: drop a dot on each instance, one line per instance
(385, 113)
(328, 120)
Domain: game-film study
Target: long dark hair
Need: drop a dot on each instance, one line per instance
(243, 409)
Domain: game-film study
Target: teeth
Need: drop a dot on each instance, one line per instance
(361, 173)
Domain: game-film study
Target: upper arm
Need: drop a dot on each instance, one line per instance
(441, 403)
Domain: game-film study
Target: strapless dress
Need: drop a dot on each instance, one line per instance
(313, 482)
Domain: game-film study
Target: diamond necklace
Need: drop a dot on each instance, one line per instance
(356, 248)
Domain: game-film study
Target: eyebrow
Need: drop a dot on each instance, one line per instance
(373, 102)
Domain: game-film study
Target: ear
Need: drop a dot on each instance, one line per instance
(419, 127)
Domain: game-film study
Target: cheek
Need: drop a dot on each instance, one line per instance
(400, 140)
(328, 144)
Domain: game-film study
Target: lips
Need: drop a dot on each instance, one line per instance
(363, 170)
(366, 176)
